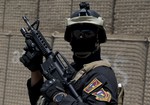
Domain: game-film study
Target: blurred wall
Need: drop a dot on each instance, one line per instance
(127, 24)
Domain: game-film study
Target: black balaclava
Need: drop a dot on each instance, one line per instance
(85, 32)
(85, 44)
(80, 61)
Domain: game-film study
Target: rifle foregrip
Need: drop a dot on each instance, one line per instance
(41, 42)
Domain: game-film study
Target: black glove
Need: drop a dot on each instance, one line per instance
(32, 57)
(51, 87)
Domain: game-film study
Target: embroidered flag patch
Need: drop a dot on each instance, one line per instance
(92, 85)
(102, 95)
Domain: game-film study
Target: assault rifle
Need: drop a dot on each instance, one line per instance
(55, 65)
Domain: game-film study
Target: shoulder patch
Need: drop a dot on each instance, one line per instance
(102, 95)
(92, 85)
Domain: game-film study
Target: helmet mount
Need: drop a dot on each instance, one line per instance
(87, 18)
(84, 5)
(83, 9)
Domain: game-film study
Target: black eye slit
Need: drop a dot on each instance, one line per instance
(83, 34)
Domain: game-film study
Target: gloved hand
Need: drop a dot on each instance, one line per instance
(52, 87)
(32, 57)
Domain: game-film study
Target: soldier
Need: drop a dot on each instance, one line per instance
(94, 79)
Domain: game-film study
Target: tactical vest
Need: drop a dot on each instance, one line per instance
(86, 68)
(120, 94)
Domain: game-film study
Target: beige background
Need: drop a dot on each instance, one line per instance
(127, 24)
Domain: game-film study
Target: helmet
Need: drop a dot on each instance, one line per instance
(88, 18)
